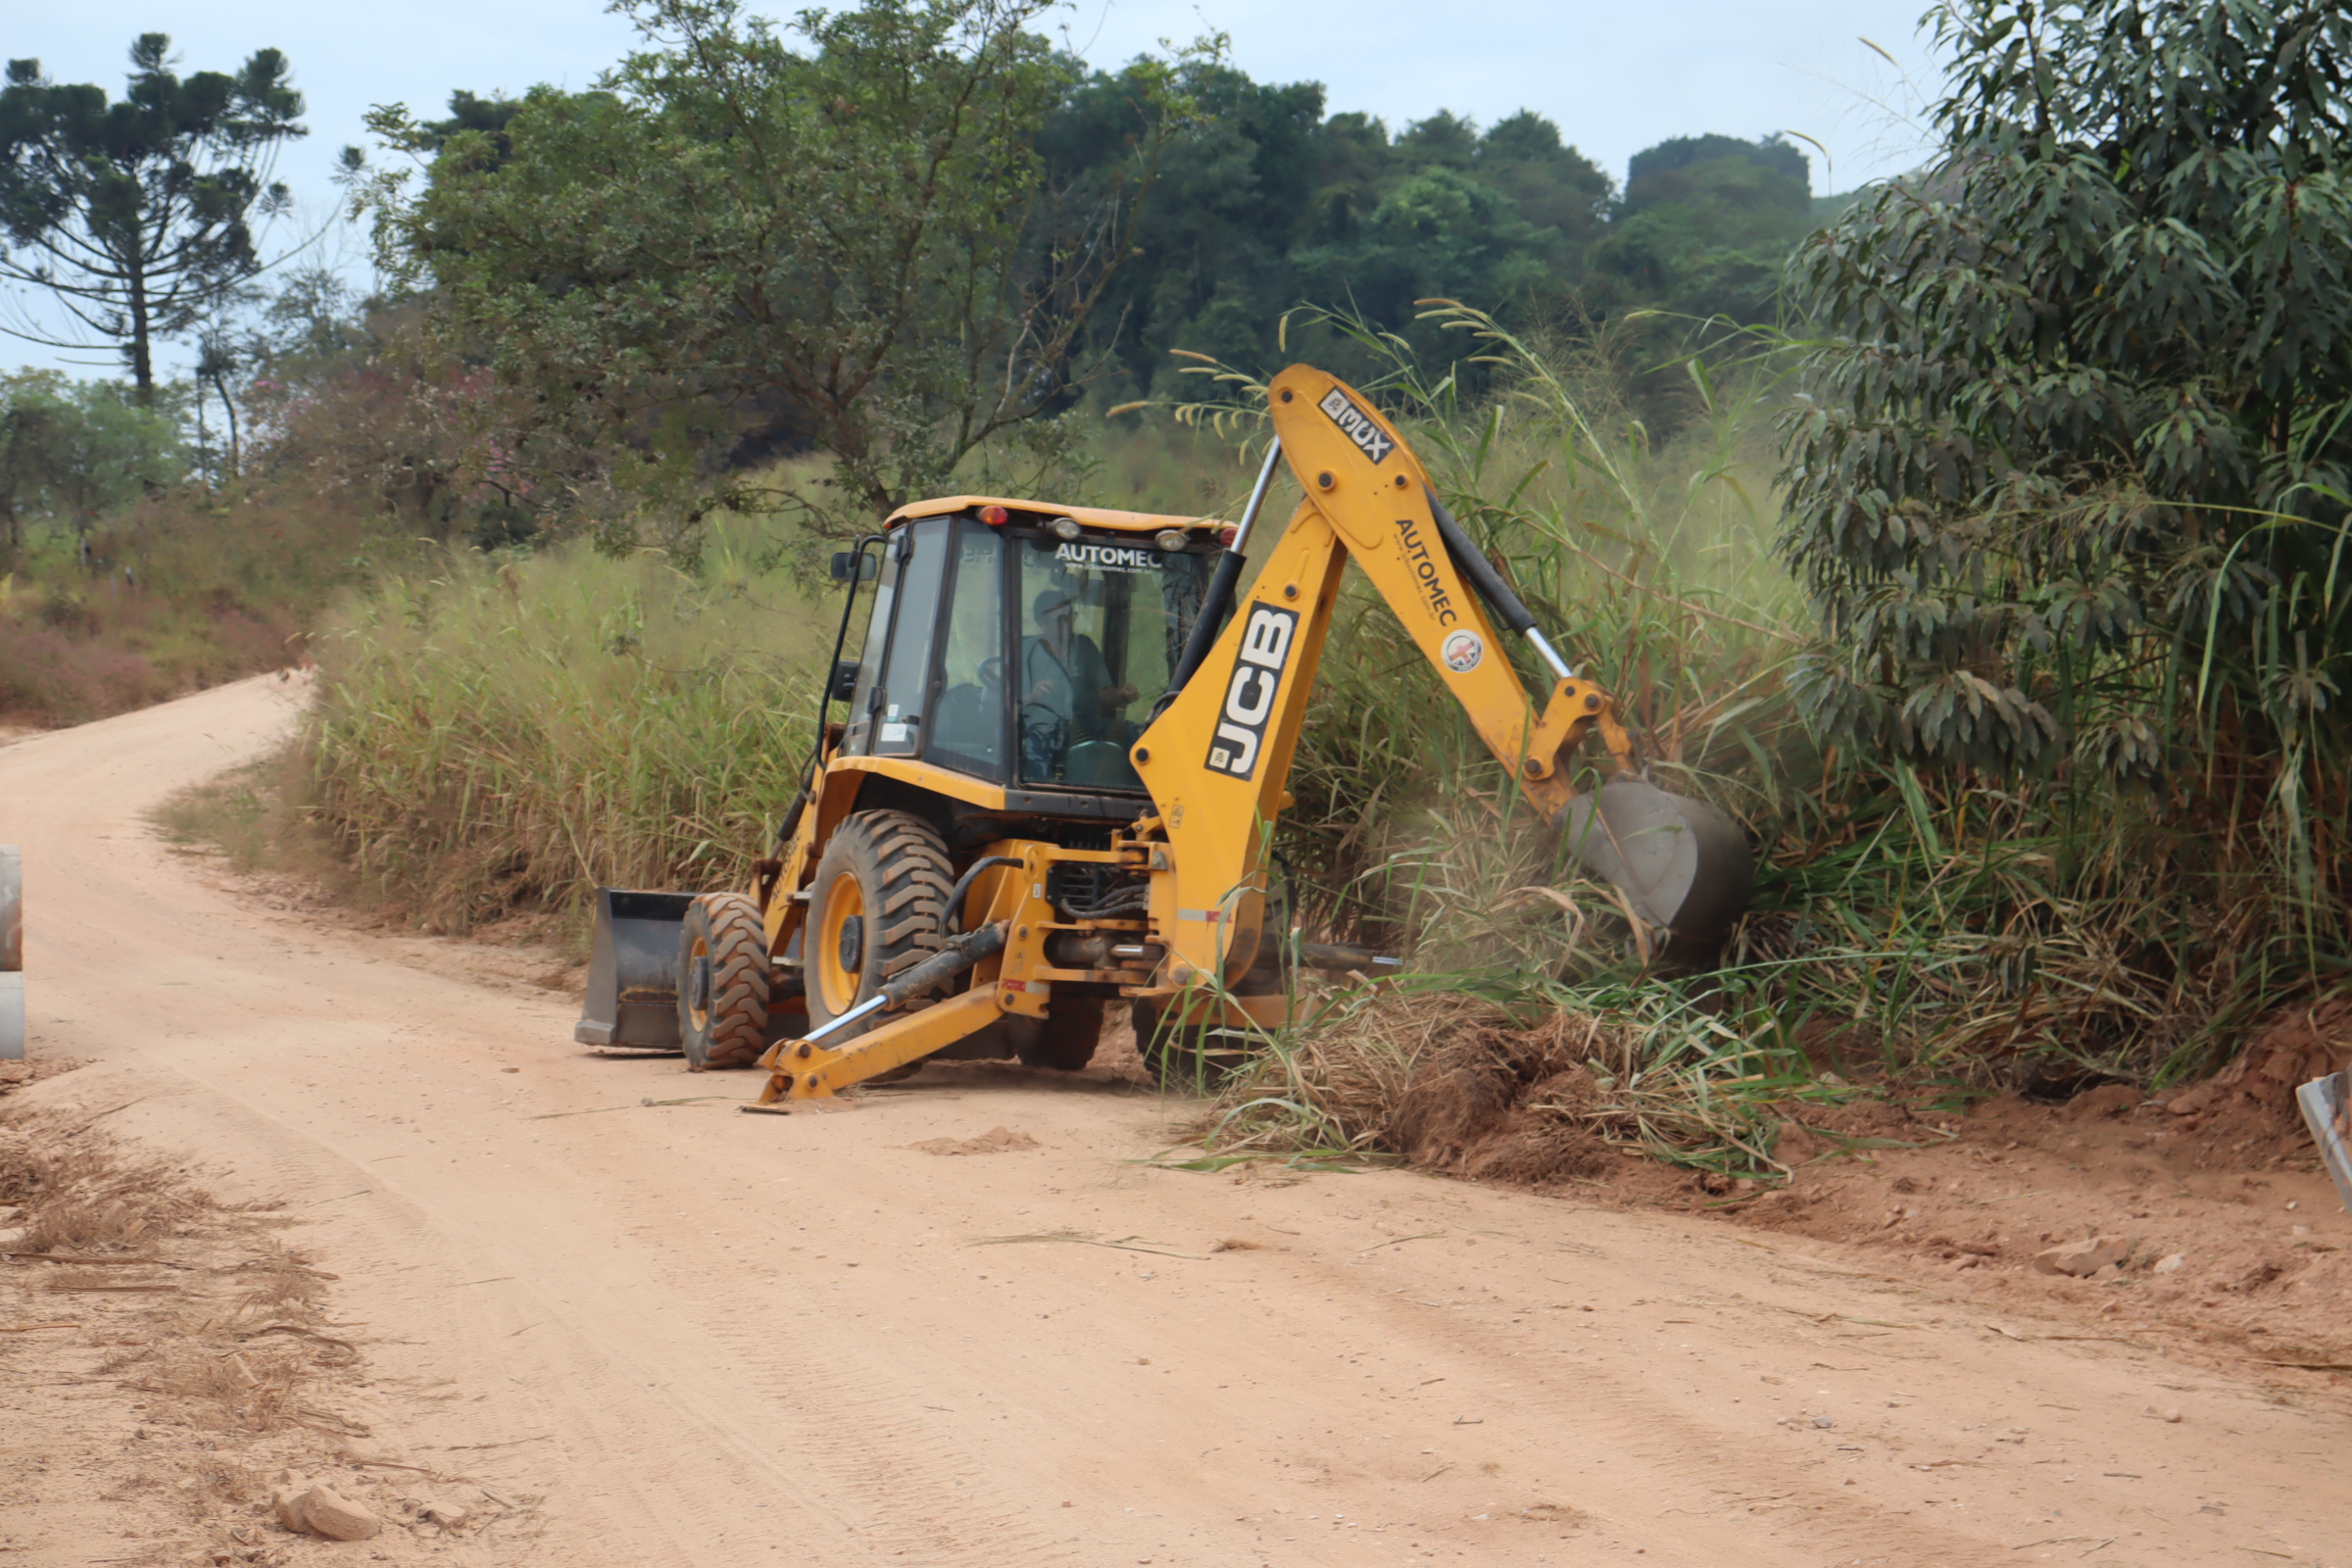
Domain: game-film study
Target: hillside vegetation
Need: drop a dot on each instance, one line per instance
(1994, 583)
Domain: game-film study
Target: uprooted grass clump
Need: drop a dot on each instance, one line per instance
(1534, 1085)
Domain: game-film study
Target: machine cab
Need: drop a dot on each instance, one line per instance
(1024, 643)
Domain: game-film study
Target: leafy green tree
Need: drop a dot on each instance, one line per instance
(1439, 233)
(489, 116)
(134, 215)
(1263, 204)
(1552, 185)
(858, 237)
(1211, 267)
(1706, 224)
(2073, 460)
(73, 451)
(1444, 140)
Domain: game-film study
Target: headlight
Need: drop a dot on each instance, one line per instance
(1065, 527)
(1171, 539)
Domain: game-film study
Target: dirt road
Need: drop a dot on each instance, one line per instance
(718, 1339)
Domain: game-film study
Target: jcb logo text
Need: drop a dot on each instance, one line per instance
(1251, 691)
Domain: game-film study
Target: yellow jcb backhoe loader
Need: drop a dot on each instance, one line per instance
(995, 844)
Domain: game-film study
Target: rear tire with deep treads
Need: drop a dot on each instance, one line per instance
(722, 981)
(877, 908)
(1197, 1057)
(1066, 1037)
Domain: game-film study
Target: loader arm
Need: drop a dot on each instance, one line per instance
(1217, 759)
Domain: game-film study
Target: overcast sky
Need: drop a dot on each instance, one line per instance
(1617, 77)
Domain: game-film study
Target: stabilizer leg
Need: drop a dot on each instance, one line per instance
(801, 1069)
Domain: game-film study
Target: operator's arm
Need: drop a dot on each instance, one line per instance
(1096, 672)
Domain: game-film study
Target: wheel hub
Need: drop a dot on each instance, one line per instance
(839, 949)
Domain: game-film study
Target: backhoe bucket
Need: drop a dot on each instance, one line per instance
(633, 971)
(1682, 864)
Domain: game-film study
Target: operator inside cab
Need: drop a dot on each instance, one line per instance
(1068, 695)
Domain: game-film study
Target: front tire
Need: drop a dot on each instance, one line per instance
(722, 981)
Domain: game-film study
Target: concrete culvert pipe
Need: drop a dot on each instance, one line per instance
(12, 953)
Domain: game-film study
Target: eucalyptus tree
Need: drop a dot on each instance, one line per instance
(135, 216)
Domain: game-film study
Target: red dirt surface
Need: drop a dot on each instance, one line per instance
(2228, 1229)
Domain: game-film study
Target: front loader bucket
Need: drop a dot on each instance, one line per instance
(633, 971)
(1682, 864)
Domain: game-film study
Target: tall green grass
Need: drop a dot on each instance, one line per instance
(505, 735)
(1955, 930)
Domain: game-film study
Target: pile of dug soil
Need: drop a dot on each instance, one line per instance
(1496, 1104)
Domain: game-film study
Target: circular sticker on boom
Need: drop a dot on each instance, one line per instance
(1462, 650)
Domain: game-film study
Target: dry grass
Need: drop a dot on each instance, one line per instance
(1336, 1085)
(253, 1368)
(79, 1195)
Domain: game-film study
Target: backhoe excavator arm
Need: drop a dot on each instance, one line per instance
(1217, 758)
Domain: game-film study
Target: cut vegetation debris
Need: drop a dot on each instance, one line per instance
(206, 1337)
(1544, 1091)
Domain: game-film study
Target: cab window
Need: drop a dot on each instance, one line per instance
(968, 716)
(900, 707)
(1101, 621)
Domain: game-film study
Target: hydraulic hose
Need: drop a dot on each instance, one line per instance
(963, 885)
(1472, 563)
(1223, 585)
